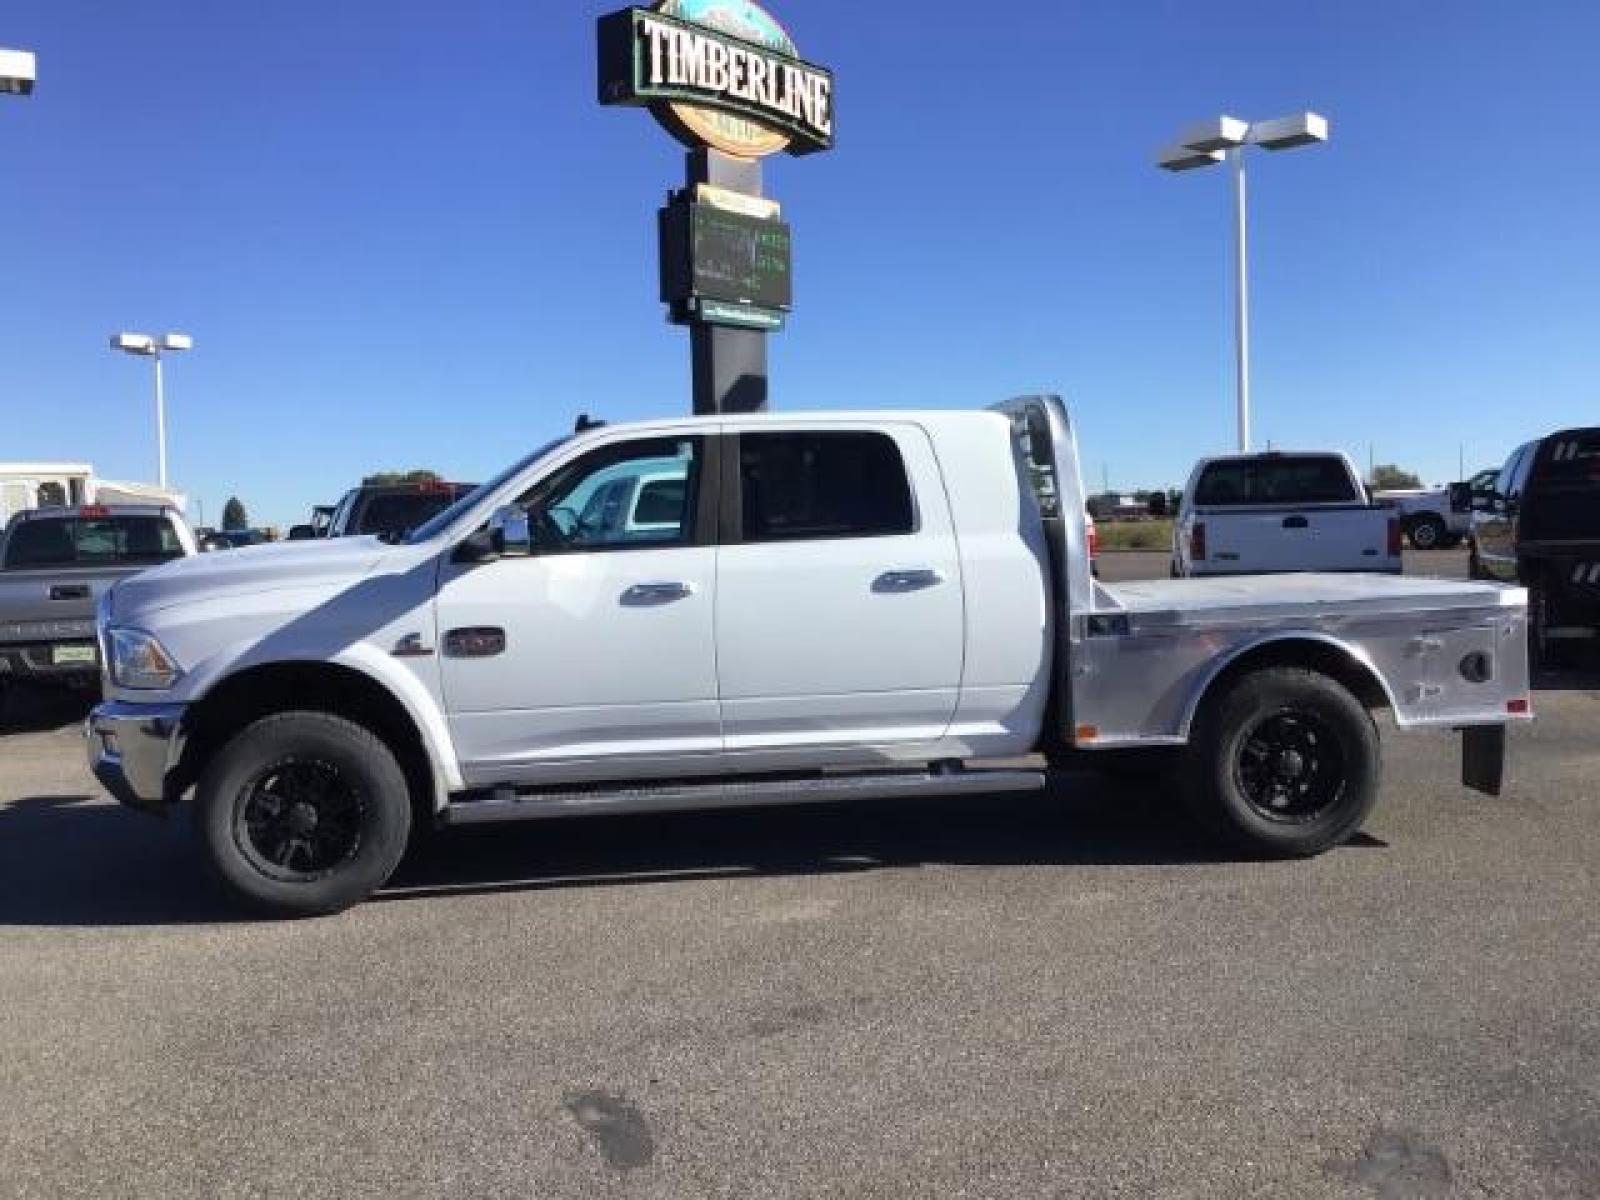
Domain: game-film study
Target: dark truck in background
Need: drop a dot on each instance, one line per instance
(389, 510)
(1539, 525)
(54, 565)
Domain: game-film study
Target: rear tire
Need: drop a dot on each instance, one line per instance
(1285, 762)
(302, 814)
(1427, 533)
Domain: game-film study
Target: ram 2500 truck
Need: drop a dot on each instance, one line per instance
(1249, 514)
(809, 607)
(54, 565)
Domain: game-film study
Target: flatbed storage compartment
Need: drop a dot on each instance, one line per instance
(1442, 652)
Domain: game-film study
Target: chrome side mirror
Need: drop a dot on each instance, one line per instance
(512, 531)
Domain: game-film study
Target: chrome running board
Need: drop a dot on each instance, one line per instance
(508, 804)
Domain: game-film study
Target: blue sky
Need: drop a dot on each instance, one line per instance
(404, 234)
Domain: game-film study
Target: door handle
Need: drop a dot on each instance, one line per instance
(907, 581)
(69, 591)
(656, 593)
(1295, 522)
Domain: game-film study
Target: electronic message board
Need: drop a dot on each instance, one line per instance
(710, 253)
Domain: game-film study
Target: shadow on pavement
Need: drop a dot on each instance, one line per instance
(1084, 822)
(38, 710)
(80, 860)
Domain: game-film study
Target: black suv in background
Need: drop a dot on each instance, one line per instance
(391, 509)
(1540, 527)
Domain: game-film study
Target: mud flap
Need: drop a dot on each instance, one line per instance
(1483, 758)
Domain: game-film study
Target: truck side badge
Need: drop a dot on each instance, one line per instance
(478, 641)
(411, 646)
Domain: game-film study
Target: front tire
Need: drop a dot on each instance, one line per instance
(1285, 762)
(302, 814)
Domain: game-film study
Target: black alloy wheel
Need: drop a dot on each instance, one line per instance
(299, 820)
(1282, 761)
(1290, 767)
(303, 813)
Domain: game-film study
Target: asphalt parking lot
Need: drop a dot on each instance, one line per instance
(999, 997)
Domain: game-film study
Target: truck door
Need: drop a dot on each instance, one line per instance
(599, 644)
(839, 606)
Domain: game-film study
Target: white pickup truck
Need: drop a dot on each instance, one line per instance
(1256, 514)
(1426, 517)
(806, 607)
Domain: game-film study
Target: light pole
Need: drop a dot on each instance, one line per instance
(17, 72)
(1225, 139)
(152, 348)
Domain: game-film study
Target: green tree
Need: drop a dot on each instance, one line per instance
(234, 516)
(1387, 477)
(417, 475)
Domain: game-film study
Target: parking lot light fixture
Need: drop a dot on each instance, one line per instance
(1226, 139)
(17, 72)
(146, 346)
(1185, 158)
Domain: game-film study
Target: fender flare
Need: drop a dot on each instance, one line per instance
(377, 668)
(1357, 657)
(419, 704)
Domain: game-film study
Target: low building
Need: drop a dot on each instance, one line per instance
(25, 485)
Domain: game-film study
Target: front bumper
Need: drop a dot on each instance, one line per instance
(131, 749)
(74, 660)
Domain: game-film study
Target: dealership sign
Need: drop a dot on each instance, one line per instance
(718, 73)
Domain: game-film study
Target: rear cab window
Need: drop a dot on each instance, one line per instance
(1571, 460)
(92, 541)
(1285, 479)
(1560, 500)
(807, 485)
(389, 513)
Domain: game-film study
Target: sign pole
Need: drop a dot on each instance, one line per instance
(729, 365)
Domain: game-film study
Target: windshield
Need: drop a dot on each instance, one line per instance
(443, 520)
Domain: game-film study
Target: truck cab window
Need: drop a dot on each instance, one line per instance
(823, 485)
(1302, 479)
(87, 541)
(620, 497)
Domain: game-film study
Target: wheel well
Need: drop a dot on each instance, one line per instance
(1325, 658)
(311, 687)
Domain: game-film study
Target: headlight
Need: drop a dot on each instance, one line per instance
(138, 660)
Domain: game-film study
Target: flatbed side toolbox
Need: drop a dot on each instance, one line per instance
(1483, 758)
